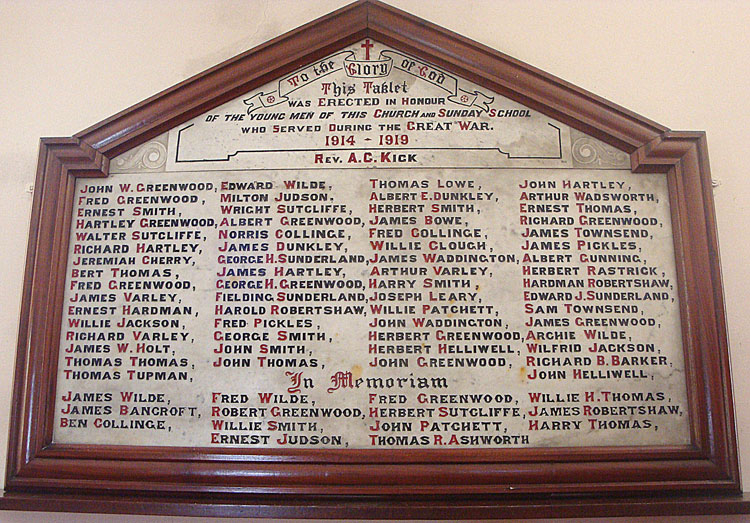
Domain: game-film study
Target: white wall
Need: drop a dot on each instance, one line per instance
(67, 64)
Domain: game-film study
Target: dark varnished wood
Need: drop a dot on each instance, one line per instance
(445, 507)
(512, 78)
(228, 80)
(701, 477)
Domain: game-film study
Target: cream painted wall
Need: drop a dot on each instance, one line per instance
(67, 64)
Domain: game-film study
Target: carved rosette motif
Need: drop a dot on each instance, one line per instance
(149, 157)
(588, 152)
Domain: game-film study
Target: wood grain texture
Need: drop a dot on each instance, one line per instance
(699, 478)
(444, 507)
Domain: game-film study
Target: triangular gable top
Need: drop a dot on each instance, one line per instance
(372, 88)
(371, 19)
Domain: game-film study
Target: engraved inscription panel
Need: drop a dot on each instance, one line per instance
(372, 253)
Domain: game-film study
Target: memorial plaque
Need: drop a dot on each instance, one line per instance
(372, 252)
(313, 282)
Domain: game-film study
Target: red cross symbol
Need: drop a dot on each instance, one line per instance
(367, 45)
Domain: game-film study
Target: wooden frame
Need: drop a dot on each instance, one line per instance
(701, 477)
